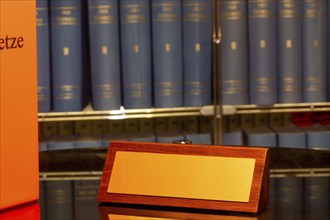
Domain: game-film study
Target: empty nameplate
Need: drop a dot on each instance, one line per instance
(182, 176)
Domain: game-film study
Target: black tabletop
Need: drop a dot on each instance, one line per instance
(70, 179)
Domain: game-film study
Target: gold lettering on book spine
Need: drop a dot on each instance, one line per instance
(290, 83)
(40, 20)
(134, 13)
(66, 92)
(66, 51)
(167, 13)
(234, 86)
(66, 15)
(232, 10)
(106, 91)
(104, 50)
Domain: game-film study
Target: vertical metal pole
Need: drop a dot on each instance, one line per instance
(216, 60)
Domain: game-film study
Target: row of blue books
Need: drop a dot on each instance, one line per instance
(130, 53)
(291, 197)
(289, 136)
(67, 199)
(78, 141)
(294, 197)
(275, 51)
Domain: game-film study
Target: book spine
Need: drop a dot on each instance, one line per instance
(316, 197)
(67, 54)
(59, 201)
(136, 53)
(167, 53)
(234, 48)
(314, 51)
(290, 198)
(104, 54)
(84, 197)
(328, 51)
(289, 51)
(43, 53)
(197, 52)
(262, 52)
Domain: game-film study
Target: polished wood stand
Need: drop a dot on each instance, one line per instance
(224, 178)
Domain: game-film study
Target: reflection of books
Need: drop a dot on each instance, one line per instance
(85, 203)
(124, 213)
(59, 200)
(290, 198)
(316, 198)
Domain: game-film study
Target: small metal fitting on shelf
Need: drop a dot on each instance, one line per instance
(182, 141)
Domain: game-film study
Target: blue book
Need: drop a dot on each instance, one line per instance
(289, 51)
(169, 136)
(290, 198)
(59, 200)
(61, 142)
(88, 141)
(261, 137)
(328, 51)
(318, 137)
(234, 50)
(108, 137)
(316, 197)
(85, 202)
(167, 53)
(142, 137)
(199, 138)
(290, 136)
(67, 54)
(43, 143)
(104, 54)
(314, 51)
(136, 53)
(233, 137)
(197, 52)
(43, 53)
(262, 52)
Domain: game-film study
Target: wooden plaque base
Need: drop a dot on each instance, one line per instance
(224, 178)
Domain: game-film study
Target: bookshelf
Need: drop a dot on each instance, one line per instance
(216, 111)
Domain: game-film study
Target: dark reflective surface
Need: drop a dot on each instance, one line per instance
(298, 198)
(298, 190)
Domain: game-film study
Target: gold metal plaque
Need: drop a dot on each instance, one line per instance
(182, 176)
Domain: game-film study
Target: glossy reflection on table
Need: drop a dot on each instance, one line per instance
(301, 198)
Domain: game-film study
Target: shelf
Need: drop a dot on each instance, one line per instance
(276, 108)
(89, 114)
(66, 165)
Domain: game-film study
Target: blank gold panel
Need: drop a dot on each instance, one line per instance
(182, 176)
